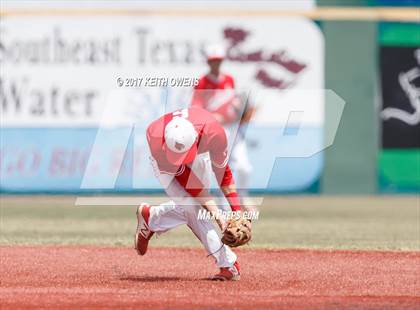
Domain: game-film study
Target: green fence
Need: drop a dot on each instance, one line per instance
(375, 67)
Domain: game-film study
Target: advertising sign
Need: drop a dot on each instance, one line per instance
(67, 76)
(400, 113)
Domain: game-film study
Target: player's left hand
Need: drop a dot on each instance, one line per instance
(237, 232)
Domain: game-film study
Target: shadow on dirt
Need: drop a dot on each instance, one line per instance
(152, 279)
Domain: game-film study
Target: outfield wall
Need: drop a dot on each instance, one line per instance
(377, 149)
(58, 78)
(60, 91)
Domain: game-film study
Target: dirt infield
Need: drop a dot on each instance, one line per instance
(92, 277)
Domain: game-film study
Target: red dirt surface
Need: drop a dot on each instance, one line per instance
(92, 277)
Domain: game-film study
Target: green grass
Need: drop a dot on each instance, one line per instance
(379, 222)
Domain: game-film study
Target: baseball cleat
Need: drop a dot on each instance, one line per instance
(228, 273)
(143, 232)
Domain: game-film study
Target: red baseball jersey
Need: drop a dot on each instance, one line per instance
(215, 94)
(211, 138)
(223, 81)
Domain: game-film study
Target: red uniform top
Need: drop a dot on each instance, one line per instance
(211, 139)
(216, 94)
(223, 81)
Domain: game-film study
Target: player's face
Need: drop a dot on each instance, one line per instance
(214, 65)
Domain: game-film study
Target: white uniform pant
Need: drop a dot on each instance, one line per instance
(183, 209)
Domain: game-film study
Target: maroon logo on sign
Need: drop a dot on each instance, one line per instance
(281, 58)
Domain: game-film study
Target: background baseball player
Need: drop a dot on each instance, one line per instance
(216, 93)
(186, 146)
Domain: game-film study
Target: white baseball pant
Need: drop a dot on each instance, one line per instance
(183, 209)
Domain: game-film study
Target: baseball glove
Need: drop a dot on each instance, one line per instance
(237, 232)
